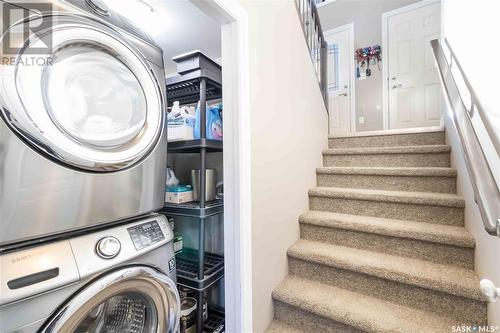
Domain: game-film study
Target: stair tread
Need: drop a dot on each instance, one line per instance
(429, 232)
(422, 149)
(390, 171)
(419, 198)
(356, 310)
(278, 326)
(449, 279)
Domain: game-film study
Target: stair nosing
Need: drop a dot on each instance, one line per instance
(392, 228)
(452, 287)
(377, 133)
(390, 171)
(403, 197)
(421, 149)
(346, 315)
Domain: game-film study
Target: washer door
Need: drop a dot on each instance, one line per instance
(134, 299)
(90, 101)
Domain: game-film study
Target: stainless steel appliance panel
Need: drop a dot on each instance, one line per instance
(39, 197)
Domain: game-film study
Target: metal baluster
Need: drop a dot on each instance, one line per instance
(315, 54)
(317, 47)
(319, 57)
(311, 28)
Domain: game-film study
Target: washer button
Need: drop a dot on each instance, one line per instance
(108, 247)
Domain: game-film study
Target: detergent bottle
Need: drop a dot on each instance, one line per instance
(213, 121)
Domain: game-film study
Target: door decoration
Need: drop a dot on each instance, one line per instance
(366, 57)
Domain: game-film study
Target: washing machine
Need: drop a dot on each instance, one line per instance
(115, 280)
(82, 128)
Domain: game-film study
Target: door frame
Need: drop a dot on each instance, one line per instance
(236, 161)
(352, 77)
(385, 53)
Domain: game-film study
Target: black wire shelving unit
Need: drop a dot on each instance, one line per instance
(199, 79)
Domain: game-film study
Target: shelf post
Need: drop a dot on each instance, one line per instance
(202, 197)
(199, 318)
(203, 108)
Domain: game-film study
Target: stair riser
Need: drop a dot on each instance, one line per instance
(308, 322)
(406, 247)
(391, 210)
(388, 160)
(465, 311)
(390, 183)
(416, 139)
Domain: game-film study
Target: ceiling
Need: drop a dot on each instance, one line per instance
(176, 25)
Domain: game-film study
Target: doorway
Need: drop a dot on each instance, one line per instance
(220, 30)
(412, 92)
(341, 82)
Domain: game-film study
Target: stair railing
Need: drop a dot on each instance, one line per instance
(318, 48)
(486, 189)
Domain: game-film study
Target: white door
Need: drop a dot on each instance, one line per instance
(340, 79)
(413, 82)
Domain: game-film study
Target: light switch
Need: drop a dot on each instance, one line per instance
(361, 120)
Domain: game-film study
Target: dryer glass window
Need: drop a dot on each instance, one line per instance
(133, 313)
(93, 96)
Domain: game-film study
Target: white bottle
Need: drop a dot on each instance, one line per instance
(180, 123)
(176, 110)
(171, 179)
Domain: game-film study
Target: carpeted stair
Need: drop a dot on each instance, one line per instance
(383, 247)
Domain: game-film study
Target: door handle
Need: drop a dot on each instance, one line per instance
(343, 94)
(397, 86)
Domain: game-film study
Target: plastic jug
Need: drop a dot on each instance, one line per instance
(213, 121)
(180, 123)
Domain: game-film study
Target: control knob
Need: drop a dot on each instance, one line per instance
(108, 247)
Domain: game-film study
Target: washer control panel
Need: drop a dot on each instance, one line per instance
(119, 244)
(145, 234)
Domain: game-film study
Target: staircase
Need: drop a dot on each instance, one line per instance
(383, 247)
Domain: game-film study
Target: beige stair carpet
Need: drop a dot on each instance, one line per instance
(383, 247)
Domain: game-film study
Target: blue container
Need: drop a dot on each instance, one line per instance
(214, 122)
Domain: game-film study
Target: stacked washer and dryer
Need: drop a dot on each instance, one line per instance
(82, 167)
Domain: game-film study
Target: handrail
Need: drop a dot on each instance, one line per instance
(318, 48)
(475, 104)
(486, 193)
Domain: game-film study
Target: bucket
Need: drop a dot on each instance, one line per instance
(188, 315)
(210, 181)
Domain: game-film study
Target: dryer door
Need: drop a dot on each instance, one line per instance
(135, 299)
(79, 93)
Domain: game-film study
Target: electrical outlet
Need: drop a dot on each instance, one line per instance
(361, 120)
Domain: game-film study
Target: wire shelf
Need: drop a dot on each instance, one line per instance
(215, 322)
(192, 209)
(187, 269)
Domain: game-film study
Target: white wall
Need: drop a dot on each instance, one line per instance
(472, 28)
(289, 130)
(367, 18)
(487, 253)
